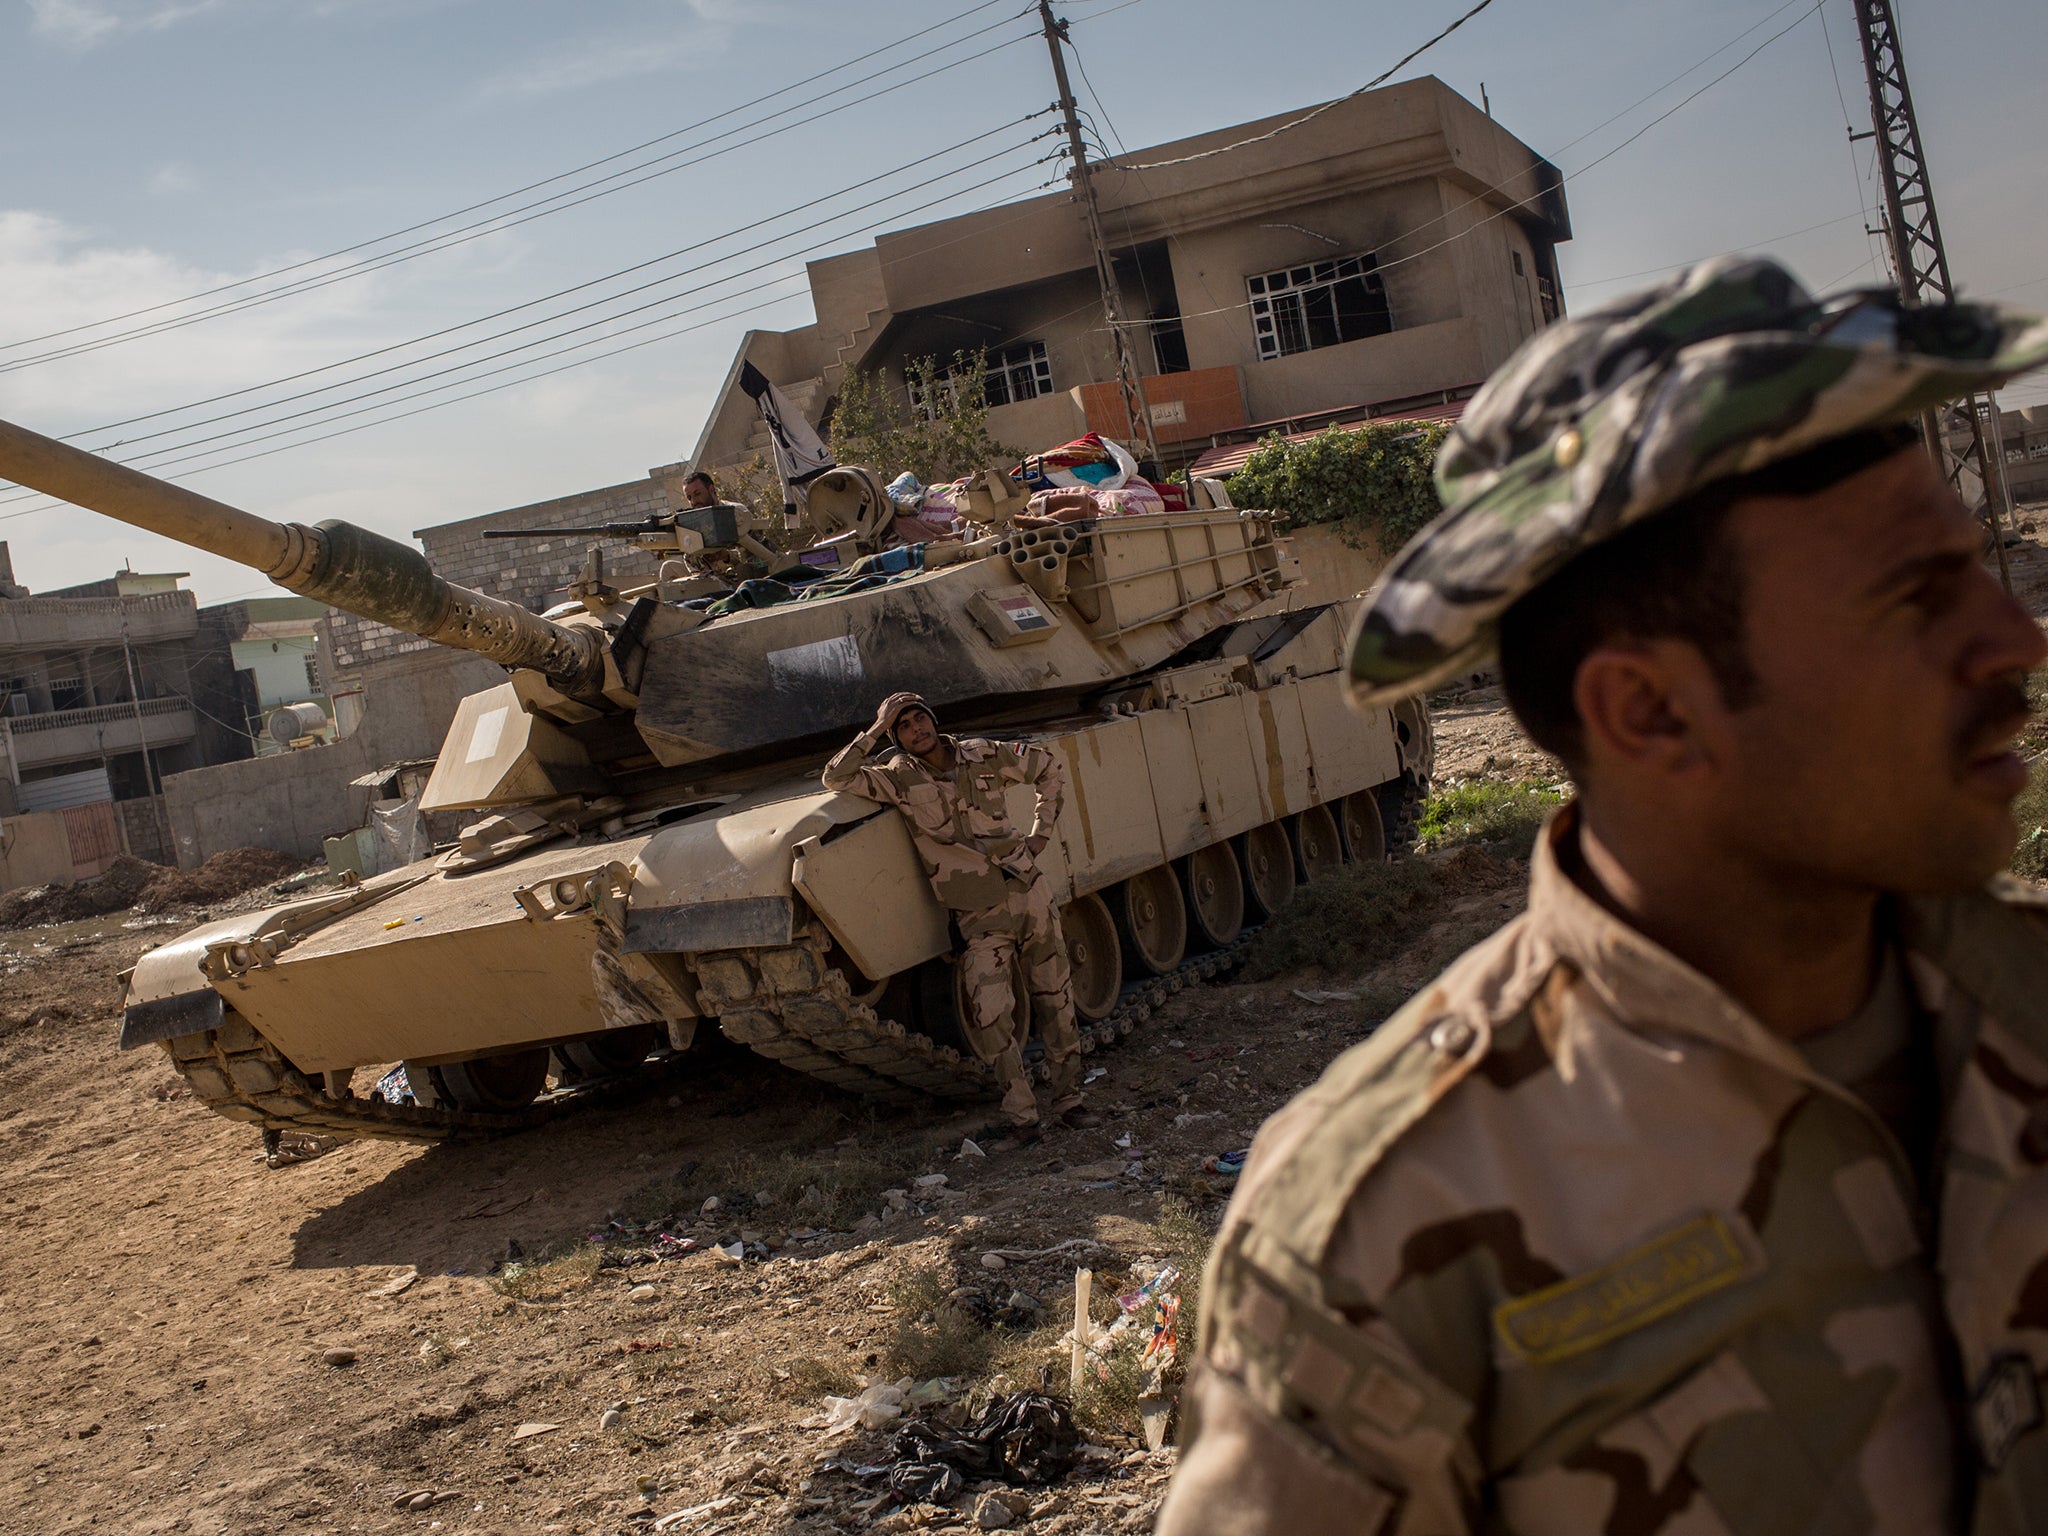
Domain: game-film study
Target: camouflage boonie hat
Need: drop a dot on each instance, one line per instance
(1602, 419)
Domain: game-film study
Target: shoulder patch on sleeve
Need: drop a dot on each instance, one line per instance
(1669, 1272)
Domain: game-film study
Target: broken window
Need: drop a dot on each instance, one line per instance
(1319, 304)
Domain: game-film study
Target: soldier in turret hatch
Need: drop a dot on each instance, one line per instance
(984, 872)
(1710, 1195)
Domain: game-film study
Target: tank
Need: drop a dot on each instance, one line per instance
(650, 859)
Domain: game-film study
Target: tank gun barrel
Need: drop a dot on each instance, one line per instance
(656, 524)
(336, 563)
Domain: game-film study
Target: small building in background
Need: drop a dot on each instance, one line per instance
(106, 687)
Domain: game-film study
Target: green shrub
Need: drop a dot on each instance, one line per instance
(873, 423)
(1372, 479)
(1503, 818)
(1353, 920)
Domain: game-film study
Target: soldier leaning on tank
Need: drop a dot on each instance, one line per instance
(987, 877)
(1711, 1194)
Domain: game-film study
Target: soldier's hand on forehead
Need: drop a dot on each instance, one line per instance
(885, 715)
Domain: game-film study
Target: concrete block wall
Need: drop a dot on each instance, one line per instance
(531, 572)
(291, 801)
(142, 823)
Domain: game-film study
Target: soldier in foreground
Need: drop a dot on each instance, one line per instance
(1711, 1194)
(986, 875)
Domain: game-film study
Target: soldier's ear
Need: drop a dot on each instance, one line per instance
(1646, 710)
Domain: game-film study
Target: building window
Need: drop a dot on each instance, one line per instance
(1016, 373)
(1319, 304)
(313, 671)
(1169, 342)
(1009, 374)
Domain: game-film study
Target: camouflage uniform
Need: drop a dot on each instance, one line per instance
(982, 871)
(1574, 1244)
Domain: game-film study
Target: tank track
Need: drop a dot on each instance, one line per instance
(783, 1003)
(788, 1005)
(239, 1075)
(1407, 823)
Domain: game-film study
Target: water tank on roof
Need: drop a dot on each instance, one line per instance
(293, 721)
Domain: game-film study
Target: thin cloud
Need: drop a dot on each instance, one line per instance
(705, 30)
(83, 24)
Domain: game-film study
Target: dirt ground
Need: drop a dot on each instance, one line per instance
(169, 1301)
(169, 1305)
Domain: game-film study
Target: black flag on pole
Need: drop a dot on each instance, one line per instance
(799, 455)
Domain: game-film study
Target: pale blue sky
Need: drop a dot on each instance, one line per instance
(150, 149)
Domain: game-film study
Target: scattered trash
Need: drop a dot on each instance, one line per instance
(291, 1147)
(533, 1431)
(713, 1204)
(394, 1087)
(1319, 998)
(877, 1407)
(1226, 1165)
(971, 1148)
(1018, 1438)
(732, 1253)
(1095, 1074)
(696, 1512)
(1123, 1140)
(1014, 1254)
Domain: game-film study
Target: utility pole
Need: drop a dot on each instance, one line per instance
(1913, 235)
(1130, 382)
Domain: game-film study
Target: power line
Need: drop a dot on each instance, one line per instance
(602, 320)
(1315, 112)
(500, 223)
(156, 459)
(559, 293)
(1568, 176)
(1790, 234)
(562, 368)
(534, 186)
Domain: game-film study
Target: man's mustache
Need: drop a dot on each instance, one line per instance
(1992, 715)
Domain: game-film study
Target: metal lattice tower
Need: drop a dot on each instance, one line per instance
(1913, 236)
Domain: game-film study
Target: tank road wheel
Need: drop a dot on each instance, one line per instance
(1094, 957)
(1214, 887)
(861, 987)
(1152, 922)
(1365, 834)
(947, 1013)
(507, 1081)
(610, 1054)
(1317, 851)
(1267, 859)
